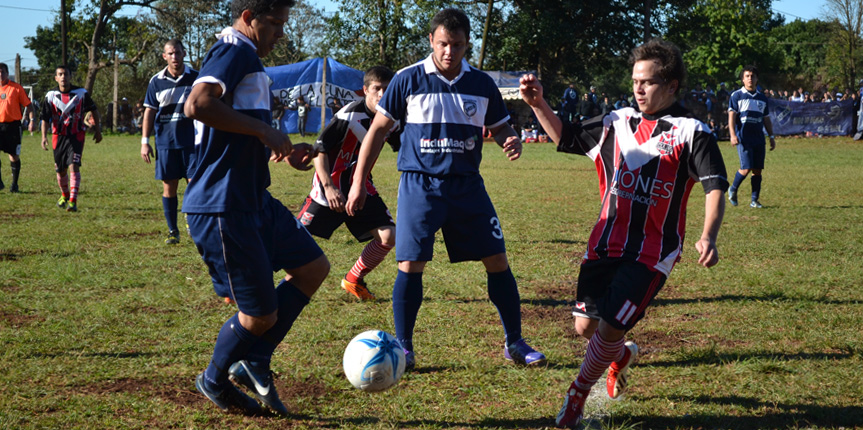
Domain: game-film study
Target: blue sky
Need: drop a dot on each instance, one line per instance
(20, 19)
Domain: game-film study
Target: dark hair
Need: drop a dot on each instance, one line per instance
(4, 67)
(64, 67)
(749, 68)
(257, 7)
(667, 55)
(175, 43)
(378, 73)
(452, 21)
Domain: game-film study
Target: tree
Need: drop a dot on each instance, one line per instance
(804, 45)
(194, 22)
(849, 15)
(305, 33)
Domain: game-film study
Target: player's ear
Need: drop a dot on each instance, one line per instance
(246, 16)
(672, 86)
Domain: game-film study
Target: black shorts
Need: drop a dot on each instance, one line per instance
(10, 137)
(616, 291)
(67, 151)
(321, 221)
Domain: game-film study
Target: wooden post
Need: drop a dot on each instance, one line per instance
(18, 69)
(63, 31)
(324, 97)
(116, 108)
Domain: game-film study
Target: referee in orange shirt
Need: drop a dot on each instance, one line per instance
(12, 99)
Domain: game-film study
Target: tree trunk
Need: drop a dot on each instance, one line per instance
(485, 33)
(93, 65)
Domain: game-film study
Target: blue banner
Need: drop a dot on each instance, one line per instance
(828, 119)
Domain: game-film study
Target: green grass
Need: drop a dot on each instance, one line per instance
(103, 326)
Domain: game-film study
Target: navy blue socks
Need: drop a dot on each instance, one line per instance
(756, 187)
(232, 344)
(503, 292)
(169, 206)
(407, 299)
(291, 303)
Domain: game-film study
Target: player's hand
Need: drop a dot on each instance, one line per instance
(772, 143)
(512, 147)
(302, 155)
(356, 199)
(146, 152)
(45, 144)
(734, 140)
(279, 143)
(97, 136)
(32, 126)
(335, 199)
(530, 89)
(708, 255)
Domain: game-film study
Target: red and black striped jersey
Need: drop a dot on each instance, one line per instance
(341, 140)
(66, 111)
(647, 165)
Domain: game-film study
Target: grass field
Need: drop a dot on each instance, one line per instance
(103, 326)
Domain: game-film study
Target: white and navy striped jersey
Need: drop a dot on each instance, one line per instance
(167, 95)
(231, 169)
(341, 140)
(647, 165)
(752, 108)
(442, 120)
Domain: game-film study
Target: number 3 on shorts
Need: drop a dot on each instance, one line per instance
(496, 231)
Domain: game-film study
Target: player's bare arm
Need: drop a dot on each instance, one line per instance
(506, 138)
(29, 110)
(732, 127)
(369, 151)
(204, 104)
(714, 210)
(768, 125)
(146, 132)
(531, 93)
(45, 135)
(335, 199)
(97, 125)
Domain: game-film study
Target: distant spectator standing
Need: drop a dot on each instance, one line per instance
(13, 99)
(302, 113)
(748, 116)
(605, 107)
(586, 107)
(175, 133)
(570, 103)
(621, 102)
(594, 97)
(64, 109)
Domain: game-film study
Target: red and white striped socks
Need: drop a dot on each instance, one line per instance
(600, 354)
(373, 254)
(76, 182)
(63, 182)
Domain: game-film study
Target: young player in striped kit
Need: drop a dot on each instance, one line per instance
(647, 161)
(324, 208)
(64, 108)
(175, 134)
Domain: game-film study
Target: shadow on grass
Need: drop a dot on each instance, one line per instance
(92, 354)
(774, 415)
(703, 359)
(658, 302)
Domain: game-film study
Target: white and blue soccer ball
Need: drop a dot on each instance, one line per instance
(374, 361)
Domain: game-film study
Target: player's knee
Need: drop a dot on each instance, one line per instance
(585, 327)
(496, 263)
(258, 325)
(386, 236)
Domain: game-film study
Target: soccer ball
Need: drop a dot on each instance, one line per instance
(374, 361)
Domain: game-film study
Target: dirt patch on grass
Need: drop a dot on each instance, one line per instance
(134, 234)
(16, 318)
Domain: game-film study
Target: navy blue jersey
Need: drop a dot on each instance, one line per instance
(231, 171)
(442, 120)
(752, 108)
(167, 95)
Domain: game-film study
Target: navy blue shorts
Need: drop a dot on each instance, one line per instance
(174, 164)
(457, 205)
(616, 291)
(242, 250)
(751, 155)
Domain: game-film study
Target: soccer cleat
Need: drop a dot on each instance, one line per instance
(173, 237)
(410, 360)
(186, 219)
(521, 353)
(260, 383)
(573, 407)
(13, 188)
(62, 202)
(72, 207)
(732, 196)
(358, 289)
(755, 204)
(229, 398)
(2, 185)
(615, 383)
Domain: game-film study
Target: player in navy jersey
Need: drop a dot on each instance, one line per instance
(324, 208)
(443, 103)
(175, 134)
(748, 112)
(64, 109)
(647, 161)
(242, 233)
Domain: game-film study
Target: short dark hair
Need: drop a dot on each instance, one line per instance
(452, 21)
(4, 67)
(378, 74)
(667, 55)
(64, 67)
(257, 7)
(175, 43)
(749, 68)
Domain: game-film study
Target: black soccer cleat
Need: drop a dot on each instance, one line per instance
(260, 383)
(230, 398)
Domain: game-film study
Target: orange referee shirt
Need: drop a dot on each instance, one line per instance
(12, 99)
